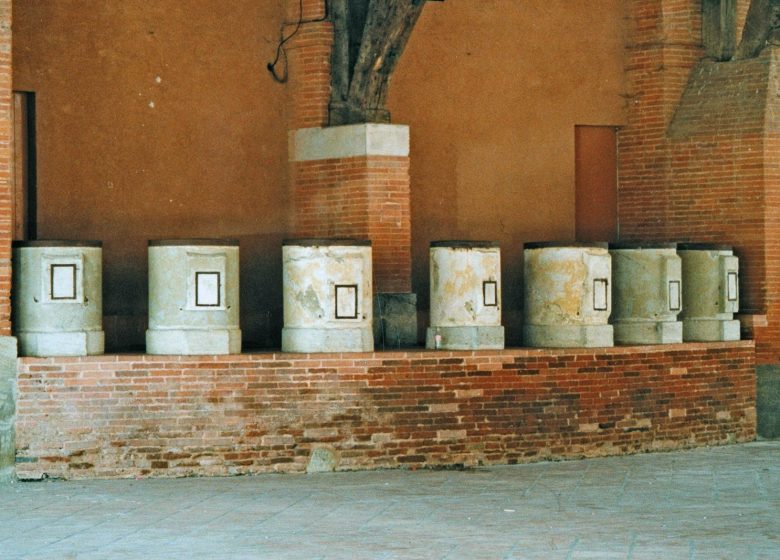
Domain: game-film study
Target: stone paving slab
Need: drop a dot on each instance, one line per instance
(713, 503)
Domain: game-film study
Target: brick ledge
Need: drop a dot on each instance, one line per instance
(401, 354)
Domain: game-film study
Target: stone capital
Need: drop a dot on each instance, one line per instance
(355, 140)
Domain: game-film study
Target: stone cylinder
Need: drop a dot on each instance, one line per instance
(58, 297)
(646, 293)
(465, 295)
(710, 275)
(193, 297)
(327, 291)
(567, 295)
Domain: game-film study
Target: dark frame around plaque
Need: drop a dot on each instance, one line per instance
(74, 292)
(493, 292)
(601, 284)
(675, 295)
(346, 289)
(198, 274)
(732, 280)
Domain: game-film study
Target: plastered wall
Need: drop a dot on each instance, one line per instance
(159, 119)
(492, 91)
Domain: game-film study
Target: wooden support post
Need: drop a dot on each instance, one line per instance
(761, 26)
(719, 28)
(369, 39)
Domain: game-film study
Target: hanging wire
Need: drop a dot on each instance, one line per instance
(281, 53)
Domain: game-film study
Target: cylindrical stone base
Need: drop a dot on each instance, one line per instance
(568, 336)
(465, 338)
(710, 330)
(648, 332)
(327, 290)
(646, 293)
(193, 341)
(82, 343)
(711, 292)
(465, 279)
(193, 297)
(58, 304)
(359, 339)
(567, 295)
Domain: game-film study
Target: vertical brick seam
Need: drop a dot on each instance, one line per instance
(6, 160)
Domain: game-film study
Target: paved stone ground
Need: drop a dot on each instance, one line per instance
(705, 504)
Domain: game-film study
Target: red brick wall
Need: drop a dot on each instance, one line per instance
(115, 416)
(663, 45)
(768, 339)
(363, 197)
(308, 57)
(696, 156)
(718, 187)
(6, 160)
(307, 9)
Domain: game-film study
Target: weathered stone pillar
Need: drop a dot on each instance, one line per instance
(567, 295)
(465, 296)
(647, 288)
(327, 295)
(58, 297)
(353, 181)
(193, 297)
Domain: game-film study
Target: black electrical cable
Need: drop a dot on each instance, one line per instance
(280, 49)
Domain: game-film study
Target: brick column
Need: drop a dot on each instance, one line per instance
(696, 155)
(353, 181)
(308, 58)
(7, 343)
(349, 181)
(6, 159)
(664, 44)
(768, 338)
(718, 184)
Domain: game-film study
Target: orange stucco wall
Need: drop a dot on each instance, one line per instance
(155, 120)
(159, 119)
(492, 91)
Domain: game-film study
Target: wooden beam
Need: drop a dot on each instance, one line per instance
(374, 41)
(339, 66)
(719, 28)
(762, 25)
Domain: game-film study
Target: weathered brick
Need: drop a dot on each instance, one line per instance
(698, 156)
(222, 421)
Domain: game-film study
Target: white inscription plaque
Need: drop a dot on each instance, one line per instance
(600, 294)
(733, 286)
(63, 281)
(674, 295)
(347, 301)
(207, 289)
(490, 293)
